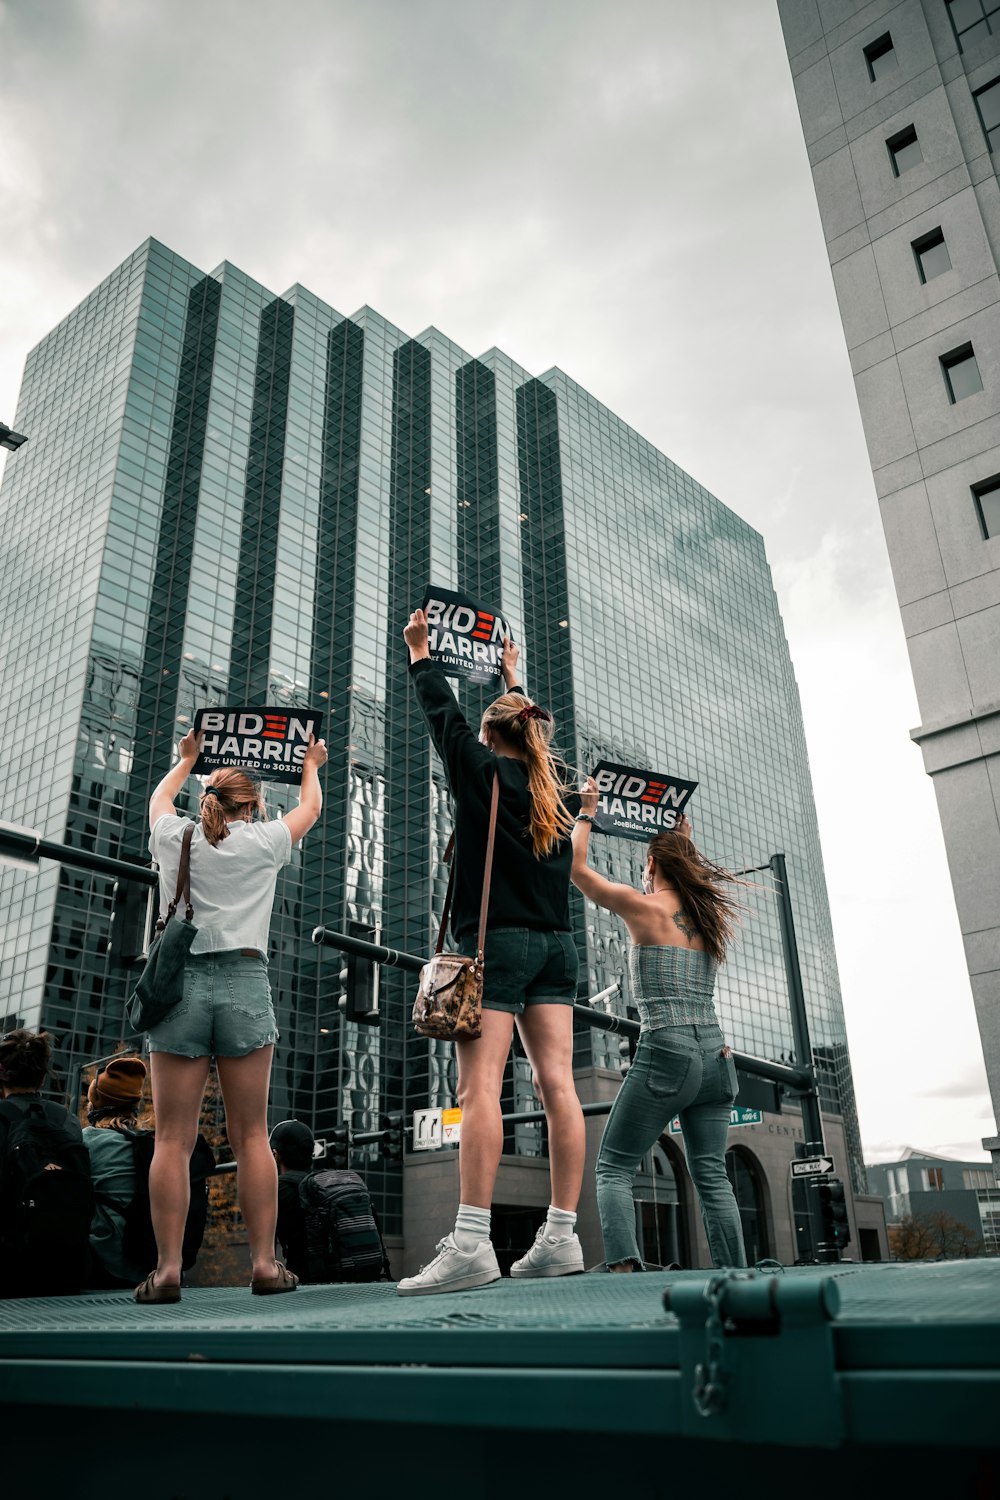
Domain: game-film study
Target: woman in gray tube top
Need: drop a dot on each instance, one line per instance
(680, 927)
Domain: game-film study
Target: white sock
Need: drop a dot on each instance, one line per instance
(559, 1223)
(472, 1226)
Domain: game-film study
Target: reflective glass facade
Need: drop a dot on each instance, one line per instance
(229, 495)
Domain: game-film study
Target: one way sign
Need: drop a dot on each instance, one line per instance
(812, 1166)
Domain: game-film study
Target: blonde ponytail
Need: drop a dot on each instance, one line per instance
(225, 796)
(529, 728)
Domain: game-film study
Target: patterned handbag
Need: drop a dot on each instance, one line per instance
(449, 1001)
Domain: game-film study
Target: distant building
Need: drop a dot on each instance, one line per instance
(234, 497)
(900, 108)
(922, 1183)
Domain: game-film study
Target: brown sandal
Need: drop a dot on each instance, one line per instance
(283, 1280)
(150, 1292)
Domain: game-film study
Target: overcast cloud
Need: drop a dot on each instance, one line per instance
(618, 188)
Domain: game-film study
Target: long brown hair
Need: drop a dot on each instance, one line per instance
(550, 822)
(226, 794)
(703, 888)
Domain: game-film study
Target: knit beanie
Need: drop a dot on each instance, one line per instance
(119, 1082)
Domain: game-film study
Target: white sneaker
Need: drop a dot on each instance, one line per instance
(550, 1257)
(453, 1270)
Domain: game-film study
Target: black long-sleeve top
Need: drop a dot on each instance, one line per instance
(525, 891)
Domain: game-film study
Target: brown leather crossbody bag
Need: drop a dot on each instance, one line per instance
(449, 1001)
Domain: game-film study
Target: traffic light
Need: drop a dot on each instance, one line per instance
(391, 1146)
(835, 1227)
(129, 915)
(339, 1147)
(359, 980)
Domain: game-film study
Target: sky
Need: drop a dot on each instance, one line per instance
(616, 187)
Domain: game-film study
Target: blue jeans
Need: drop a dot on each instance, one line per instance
(524, 966)
(226, 1010)
(678, 1070)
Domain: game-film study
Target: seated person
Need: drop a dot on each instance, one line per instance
(292, 1144)
(115, 1103)
(120, 1143)
(46, 1198)
(327, 1223)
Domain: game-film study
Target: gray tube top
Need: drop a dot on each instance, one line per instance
(672, 986)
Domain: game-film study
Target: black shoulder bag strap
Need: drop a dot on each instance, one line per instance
(183, 882)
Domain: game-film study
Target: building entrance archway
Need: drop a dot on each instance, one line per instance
(750, 1186)
(662, 1194)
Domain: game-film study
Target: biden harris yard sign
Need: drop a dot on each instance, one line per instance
(464, 639)
(270, 742)
(636, 804)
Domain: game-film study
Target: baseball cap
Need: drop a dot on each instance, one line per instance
(294, 1137)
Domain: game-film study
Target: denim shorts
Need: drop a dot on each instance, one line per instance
(524, 967)
(226, 1010)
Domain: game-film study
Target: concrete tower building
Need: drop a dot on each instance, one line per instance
(900, 107)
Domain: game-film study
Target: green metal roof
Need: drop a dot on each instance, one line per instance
(839, 1357)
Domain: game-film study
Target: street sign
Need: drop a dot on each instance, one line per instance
(426, 1129)
(738, 1115)
(451, 1126)
(812, 1166)
(319, 1147)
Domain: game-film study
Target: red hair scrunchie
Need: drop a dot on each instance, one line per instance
(534, 712)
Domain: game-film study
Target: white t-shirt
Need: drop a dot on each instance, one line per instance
(232, 883)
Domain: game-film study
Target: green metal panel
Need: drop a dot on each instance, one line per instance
(900, 1359)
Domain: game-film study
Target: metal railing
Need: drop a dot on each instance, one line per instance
(799, 1080)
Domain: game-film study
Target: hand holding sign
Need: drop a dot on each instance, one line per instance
(316, 753)
(274, 743)
(508, 662)
(415, 636)
(588, 796)
(636, 804)
(190, 747)
(464, 639)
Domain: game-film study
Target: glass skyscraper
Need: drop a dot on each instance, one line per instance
(235, 497)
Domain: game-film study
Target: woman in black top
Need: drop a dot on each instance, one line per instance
(530, 967)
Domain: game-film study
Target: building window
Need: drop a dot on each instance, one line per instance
(973, 20)
(988, 104)
(980, 1177)
(931, 255)
(961, 373)
(933, 1179)
(987, 497)
(880, 56)
(904, 151)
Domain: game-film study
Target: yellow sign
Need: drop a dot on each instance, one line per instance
(451, 1117)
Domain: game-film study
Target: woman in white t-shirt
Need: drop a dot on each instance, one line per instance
(226, 1011)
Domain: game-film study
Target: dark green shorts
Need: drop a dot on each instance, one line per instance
(525, 967)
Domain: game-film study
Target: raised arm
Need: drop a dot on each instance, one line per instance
(301, 818)
(509, 669)
(607, 893)
(161, 803)
(457, 745)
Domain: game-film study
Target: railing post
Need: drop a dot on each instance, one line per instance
(812, 1119)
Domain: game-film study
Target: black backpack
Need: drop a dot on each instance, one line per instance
(343, 1241)
(46, 1213)
(138, 1240)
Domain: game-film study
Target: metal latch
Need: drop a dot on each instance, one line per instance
(757, 1357)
